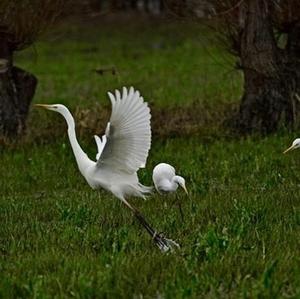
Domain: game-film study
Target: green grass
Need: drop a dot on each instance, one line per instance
(241, 232)
(240, 236)
(172, 64)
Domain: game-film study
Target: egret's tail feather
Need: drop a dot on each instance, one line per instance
(145, 189)
(142, 191)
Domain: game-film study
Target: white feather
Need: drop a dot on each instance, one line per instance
(128, 133)
(100, 145)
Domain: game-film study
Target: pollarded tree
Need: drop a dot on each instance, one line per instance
(21, 22)
(265, 36)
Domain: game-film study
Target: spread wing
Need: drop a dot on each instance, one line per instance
(128, 134)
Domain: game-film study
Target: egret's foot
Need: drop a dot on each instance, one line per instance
(163, 243)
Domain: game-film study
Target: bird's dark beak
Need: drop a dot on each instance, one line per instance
(42, 106)
(289, 149)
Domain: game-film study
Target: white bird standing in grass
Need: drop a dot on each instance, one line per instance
(295, 144)
(121, 152)
(166, 181)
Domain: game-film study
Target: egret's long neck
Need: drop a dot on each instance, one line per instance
(174, 183)
(80, 156)
(176, 179)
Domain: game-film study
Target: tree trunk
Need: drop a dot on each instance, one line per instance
(293, 62)
(268, 87)
(17, 89)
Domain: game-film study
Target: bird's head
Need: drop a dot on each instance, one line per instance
(295, 144)
(54, 107)
(181, 182)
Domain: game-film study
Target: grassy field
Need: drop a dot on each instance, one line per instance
(240, 236)
(172, 64)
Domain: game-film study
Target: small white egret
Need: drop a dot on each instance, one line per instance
(165, 179)
(295, 144)
(121, 152)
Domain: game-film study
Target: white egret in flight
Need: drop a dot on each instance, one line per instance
(121, 152)
(295, 144)
(165, 179)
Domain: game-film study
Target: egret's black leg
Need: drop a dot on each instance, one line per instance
(163, 243)
(178, 203)
(180, 207)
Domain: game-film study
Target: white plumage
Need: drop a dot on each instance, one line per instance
(121, 152)
(166, 180)
(124, 147)
(100, 144)
(128, 133)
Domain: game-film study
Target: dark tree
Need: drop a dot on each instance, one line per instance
(265, 36)
(20, 24)
(270, 64)
(154, 7)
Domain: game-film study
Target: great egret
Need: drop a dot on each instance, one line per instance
(165, 179)
(295, 144)
(121, 152)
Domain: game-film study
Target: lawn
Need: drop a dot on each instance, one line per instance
(240, 236)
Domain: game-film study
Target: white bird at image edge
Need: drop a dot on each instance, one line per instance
(295, 144)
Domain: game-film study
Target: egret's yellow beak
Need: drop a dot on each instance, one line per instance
(184, 188)
(289, 149)
(42, 106)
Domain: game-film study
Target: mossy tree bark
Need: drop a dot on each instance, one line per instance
(17, 88)
(271, 74)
